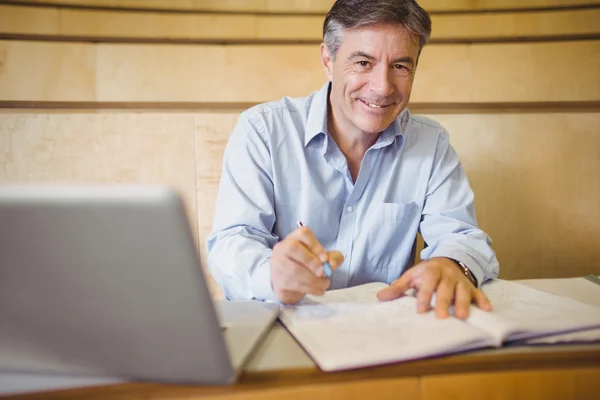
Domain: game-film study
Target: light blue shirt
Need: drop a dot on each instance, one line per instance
(282, 166)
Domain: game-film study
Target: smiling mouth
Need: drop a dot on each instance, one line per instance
(372, 105)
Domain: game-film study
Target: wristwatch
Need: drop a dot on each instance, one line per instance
(466, 271)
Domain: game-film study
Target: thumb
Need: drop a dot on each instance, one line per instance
(335, 259)
(396, 289)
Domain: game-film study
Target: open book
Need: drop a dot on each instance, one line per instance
(350, 328)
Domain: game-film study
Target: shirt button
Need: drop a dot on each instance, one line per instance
(350, 209)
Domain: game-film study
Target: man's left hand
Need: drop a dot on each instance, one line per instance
(443, 277)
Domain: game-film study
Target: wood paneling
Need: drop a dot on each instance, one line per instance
(169, 26)
(308, 6)
(39, 71)
(536, 188)
(35, 20)
(84, 148)
(52, 70)
(212, 73)
(521, 24)
(534, 175)
(212, 133)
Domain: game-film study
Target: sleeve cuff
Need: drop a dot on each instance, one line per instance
(261, 283)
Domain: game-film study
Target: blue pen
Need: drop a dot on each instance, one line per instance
(326, 267)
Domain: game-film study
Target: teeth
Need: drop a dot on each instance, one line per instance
(372, 105)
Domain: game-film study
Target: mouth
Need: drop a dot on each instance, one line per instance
(374, 105)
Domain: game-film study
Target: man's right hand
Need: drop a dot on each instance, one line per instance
(297, 266)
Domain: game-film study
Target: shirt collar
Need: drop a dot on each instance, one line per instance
(317, 114)
(317, 120)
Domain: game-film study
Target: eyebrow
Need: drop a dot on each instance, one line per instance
(359, 53)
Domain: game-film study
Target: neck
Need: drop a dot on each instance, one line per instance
(353, 142)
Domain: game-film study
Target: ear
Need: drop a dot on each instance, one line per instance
(326, 62)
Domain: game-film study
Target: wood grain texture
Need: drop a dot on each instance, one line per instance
(211, 132)
(534, 175)
(562, 384)
(383, 388)
(305, 6)
(505, 372)
(99, 149)
(536, 188)
(39, 71)
(29, 71)
(103, 25)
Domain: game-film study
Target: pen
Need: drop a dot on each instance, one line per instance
(326, 267)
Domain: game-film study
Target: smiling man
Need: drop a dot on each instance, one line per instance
(360, 171)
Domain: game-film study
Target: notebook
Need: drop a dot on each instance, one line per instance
(585, 289)
(349, 328)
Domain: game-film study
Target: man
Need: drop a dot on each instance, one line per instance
(359, 170)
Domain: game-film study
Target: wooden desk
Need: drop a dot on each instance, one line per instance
(280, 369)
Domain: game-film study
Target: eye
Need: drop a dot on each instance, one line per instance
(400, 66)
(363, 63)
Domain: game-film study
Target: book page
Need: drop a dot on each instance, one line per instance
(340, 333)
(525, 312)
(587, 336)
(584, 290)
(366, 293)
(579, 289)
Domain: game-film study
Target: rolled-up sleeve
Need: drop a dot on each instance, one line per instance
(448, 224)
(241, 242)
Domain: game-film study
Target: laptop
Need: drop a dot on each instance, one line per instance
(106, 281)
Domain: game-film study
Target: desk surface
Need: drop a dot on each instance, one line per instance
(279, 367)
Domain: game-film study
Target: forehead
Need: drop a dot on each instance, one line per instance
(379, 40)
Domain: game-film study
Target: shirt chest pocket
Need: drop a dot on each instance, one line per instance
(390, 234)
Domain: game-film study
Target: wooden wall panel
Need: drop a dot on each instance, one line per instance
(520, 72)
(99, 148)
(534, 175)
(544, 72)
(206, 73)
(145, 24)
(520, 24)
(535, 178)
(30, 70)
(140, 25)
(212, 133)
(36, 20)
(446, 73)
(312, 6)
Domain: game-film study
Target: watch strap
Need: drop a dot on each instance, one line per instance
(466, 271)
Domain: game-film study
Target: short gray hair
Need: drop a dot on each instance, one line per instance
(355, 14)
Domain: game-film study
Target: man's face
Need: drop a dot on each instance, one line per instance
(371, 77)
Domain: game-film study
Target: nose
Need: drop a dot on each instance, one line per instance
(381, 81)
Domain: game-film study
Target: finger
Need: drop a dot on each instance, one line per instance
(397, 288)
(426, 290)
(482, 301)
(462, 301)
(297, 252)
(288, 297)
(299, 279)
(336, 259)
(305, 235)
(444, 295)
